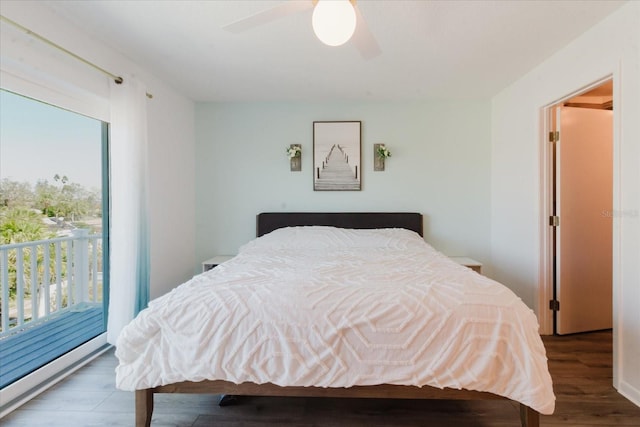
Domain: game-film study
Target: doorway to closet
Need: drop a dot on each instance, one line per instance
(581, 217)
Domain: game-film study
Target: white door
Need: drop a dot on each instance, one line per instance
(584, 197)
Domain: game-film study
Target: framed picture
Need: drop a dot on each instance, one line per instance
(336, 156)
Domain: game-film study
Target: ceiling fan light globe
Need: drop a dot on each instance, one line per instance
(334, 21)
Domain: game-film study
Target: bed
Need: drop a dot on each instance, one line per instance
(338, 305)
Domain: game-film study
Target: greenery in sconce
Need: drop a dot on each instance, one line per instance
(383, 152)
(294, 151)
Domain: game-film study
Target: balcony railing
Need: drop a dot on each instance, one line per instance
(43, 279)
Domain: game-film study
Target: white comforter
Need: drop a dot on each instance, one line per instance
(327, 307)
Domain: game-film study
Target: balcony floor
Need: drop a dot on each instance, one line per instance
(25, 351)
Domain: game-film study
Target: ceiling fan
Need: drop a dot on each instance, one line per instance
(329, 17)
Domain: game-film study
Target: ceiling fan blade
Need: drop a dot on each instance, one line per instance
(286, 8)
(363, 38)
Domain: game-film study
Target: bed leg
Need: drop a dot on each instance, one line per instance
(529, 417)
(144, 407)
(227, 400)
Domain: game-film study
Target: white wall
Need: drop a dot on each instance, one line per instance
(610, 47)
(439, 167)
(172, 196)
(171, 140)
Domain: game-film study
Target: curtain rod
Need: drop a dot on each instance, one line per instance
(117, 79)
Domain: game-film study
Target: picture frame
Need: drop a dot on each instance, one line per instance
(337, 156)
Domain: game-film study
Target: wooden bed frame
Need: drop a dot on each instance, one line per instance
(267, 222)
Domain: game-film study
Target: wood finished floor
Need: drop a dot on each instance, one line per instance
(580, 365)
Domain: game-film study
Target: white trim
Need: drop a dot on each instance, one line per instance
(545, 289)
(618, 307)
(630, 392)
(68, 98)
(33, 69)
(545, 275)
(26, 388)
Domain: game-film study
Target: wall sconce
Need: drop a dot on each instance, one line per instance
(295, 157)
(380, 153)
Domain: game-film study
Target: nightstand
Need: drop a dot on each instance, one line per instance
(213, 262)
(468, 262)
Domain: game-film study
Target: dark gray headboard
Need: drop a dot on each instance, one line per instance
(269, 221)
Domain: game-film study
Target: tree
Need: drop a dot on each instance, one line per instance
(64, 178)
(15, 194)
(22, 214)
(46, 196)
(69, 200)
(19, 225)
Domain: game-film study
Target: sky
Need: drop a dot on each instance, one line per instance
(346, 134)
(38, 141)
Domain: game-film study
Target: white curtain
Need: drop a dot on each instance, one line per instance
(129, 240)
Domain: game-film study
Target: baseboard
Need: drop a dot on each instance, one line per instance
(630, 392)
(25, 389)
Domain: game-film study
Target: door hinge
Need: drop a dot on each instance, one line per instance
(554, 220)
(554, 136)
(554, 305)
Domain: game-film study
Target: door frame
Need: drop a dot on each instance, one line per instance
(546, 274)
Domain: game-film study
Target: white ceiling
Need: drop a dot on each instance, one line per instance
(430, 49)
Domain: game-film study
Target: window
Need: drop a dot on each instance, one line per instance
(53, 233)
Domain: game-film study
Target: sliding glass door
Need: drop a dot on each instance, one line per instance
(53, 233)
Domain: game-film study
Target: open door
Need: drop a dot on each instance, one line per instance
(584, 201)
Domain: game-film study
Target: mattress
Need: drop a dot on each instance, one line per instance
(330, 307)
